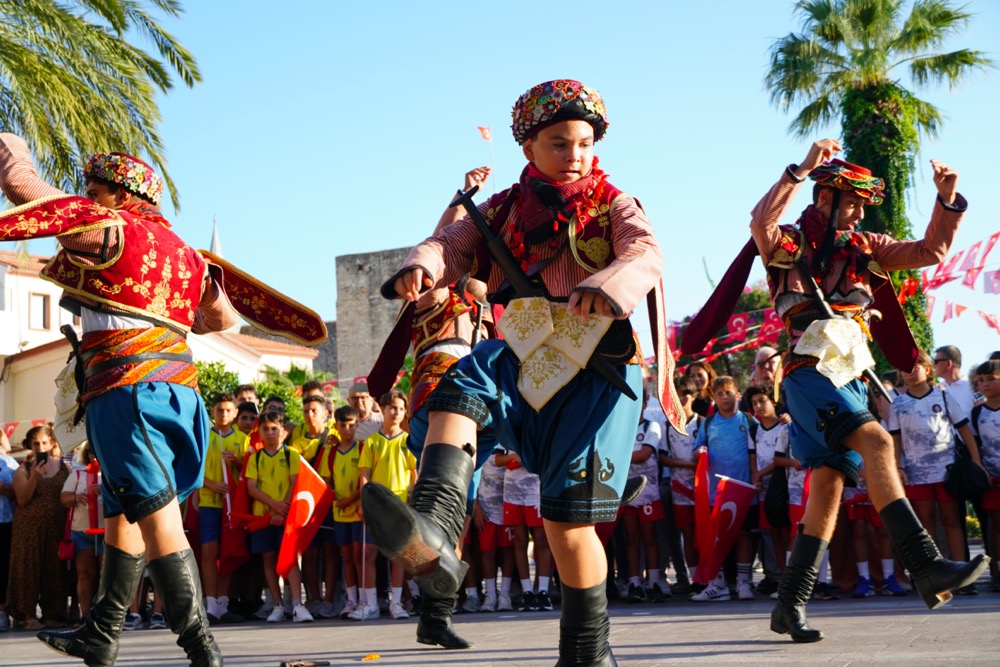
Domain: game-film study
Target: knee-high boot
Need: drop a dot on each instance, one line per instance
(584, 628)
(423, 535)
(435, 626)
(96, 641)
(175, 578)
(934, 576)
(795, 589)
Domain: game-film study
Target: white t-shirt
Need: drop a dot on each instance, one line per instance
(770, 441)
(987, 427)
(926, 432)
(76, 482)
(961, 391)
(647, 435)
(490, 495)
(796, 484)
(677, 446)
(521, 487)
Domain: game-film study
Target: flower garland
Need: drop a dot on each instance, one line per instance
(560, 222)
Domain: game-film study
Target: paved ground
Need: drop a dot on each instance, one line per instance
(876, 631)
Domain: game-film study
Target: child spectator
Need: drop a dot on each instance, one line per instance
(640, 515)
(865, 520)
(920, 422)
(271, 474)
(387, 460)
(225, 448)
(246, 417)
(246, 393)
(985, 423)
(677, 454)
(772, 452)
(729, 437)
(494, 536)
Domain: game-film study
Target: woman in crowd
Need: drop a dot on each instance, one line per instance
(86, 549)
(703, 375)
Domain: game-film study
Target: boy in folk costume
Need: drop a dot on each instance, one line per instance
(139, 290)
(821, 378)
(592, 251)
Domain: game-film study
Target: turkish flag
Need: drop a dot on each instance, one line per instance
(738, 327)
(9, 428)
(233, 547)
(702, 510)
(485, 131)
(770, 329)
(311, 500)
(991, 283)
(733, 499)
(949, 311)
(93, 470)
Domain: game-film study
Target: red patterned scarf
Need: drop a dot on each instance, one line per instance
(852, 247)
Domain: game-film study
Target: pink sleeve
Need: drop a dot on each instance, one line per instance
(767, 213)
(893, 255)
(637, 265)
(448, 255)
(18, 178)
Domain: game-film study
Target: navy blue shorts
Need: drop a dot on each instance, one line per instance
(210, 524)
(82, 541)
(325, 534)
(579, 443)
(822, 416)
(351, 532)
(150, 439)
(266, 539)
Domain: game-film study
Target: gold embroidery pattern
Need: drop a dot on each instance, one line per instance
(525, 316)
(596, 250)
(543, 366)
(50, 222)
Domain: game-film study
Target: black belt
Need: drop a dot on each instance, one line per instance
(136, 359)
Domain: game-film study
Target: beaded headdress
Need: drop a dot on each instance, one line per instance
(555, 101)
(850, 178)
(127, 171)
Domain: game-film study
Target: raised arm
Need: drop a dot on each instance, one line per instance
(18, 177)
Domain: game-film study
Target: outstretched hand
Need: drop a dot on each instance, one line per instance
(477, 176)
(819, 152)
(946, 180)
(410, 284)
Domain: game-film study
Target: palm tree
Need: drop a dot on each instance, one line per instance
(846, 62)
(71, 83)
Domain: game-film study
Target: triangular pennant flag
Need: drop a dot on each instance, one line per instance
(959, 309)
(991, 282)
(945, 270)
(970, 256)
(990, 242)
(991, 320)
(930, 306)
(949, 311)
(970, 277)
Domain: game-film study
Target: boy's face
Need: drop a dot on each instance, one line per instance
(762, 405)
(850, 208)
(274, 406)
(394, 411)
(725, 399)
(564, 151)
(315, 414)
(248, 397)
(271, 434)
(989, 386)
(244, 421)
(347, 430)
(224, 413)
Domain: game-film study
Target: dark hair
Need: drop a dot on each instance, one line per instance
(818, 188)
(757, 390)
(723, 381)
(274, 399)
(989, 367)
(113, 188)
(312, 385)
(247, 406)
(271, 417)
(685, 387)
(389, 396)
(892, 377)
(245, 387)
(224, 397)
(706, 393)
(346, 413)
(313, 399)
(35, 430)
(950, 352)
(995, 354)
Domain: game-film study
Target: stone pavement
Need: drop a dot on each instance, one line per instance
(874, 631)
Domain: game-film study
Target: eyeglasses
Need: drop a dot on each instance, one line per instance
(938, 361)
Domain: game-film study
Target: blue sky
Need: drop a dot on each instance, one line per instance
(326, 129)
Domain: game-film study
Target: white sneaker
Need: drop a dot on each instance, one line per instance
(489, 603)
(397, 612)
(277, 614)
(348, 609)
(504, 603)
(743, 590)
(712, 593)
(364, 612)
(471, 605)
(300, 614)
(326, 610)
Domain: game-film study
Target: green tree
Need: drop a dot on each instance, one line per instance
(71, 83)
(846, 63)
(214, 379)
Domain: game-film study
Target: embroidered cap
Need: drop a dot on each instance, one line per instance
(127, 171)
(554, 101)
(851, 178)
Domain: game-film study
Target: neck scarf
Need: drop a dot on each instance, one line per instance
(852, 247)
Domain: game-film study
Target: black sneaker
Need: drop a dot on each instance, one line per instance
(636, 593)
(825, 591)
(543, 602)
(528, 602)
(415, 605)
(657, 593)
(681, 588)
(767, 586)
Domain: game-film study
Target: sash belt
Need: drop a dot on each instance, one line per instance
(135, 359)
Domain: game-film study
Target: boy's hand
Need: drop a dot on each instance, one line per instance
(278, 520)
(819, 152)
(409, 284)
(229, 457)
(586, 303)
(477, 176)
(946, 180)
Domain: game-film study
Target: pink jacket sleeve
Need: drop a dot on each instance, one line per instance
(893, 255)
(765, 216)
(18, 178)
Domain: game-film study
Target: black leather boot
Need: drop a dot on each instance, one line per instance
(175, 578)
(584, 628)
(435, 626)
(96, 641)
(423, 535)
(795, 589)
(933, 576)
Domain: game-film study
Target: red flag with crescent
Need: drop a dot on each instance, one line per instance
(733, 499)
(702, 508)
(737, 327)
(485, 131)
(311, 501)
(771, 328)
(233, 547)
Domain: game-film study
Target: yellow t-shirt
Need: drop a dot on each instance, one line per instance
(346, 477)
(390, 461)
(305, 445)
(234, 442)
(273, 474)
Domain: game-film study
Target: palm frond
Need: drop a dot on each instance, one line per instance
(951, 67)
(928, 116)
(930, 22)
(818, 113)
